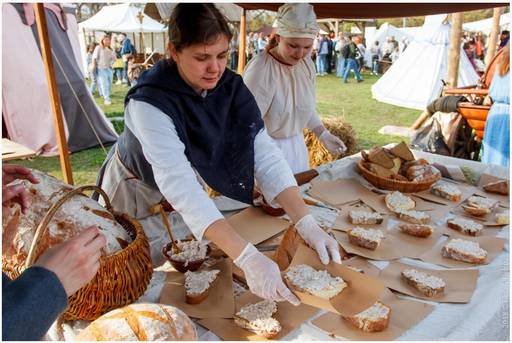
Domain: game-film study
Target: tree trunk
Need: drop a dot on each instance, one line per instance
(454, 52)
(493, 37)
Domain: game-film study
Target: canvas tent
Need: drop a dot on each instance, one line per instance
(385, 30)
(26, 109)
(126, 18)
(162, 10)
(485, 25)
(415, 79)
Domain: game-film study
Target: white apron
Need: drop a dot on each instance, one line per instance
(295, 152)
(130, 195)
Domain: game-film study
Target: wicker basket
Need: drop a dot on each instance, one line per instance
(396, 185)
(122, 277)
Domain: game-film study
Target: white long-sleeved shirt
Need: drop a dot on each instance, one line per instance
(175, 176)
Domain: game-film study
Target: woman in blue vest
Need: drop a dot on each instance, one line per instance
(192, 118)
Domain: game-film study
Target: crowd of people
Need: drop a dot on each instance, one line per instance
(475, 46)
(113, 56)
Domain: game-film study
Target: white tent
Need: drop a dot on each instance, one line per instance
(121, 18)
(385, 30)
(231, 11)
(485, 25)
(414, 80)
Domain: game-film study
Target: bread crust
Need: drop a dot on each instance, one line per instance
(369, 325)
(416, 230)
(441, 193)
(361, 241)
(461, 256)
(406, 215)
(423, 288)
(499, 187)
(244, 324)
(363, 221)
(455, 226)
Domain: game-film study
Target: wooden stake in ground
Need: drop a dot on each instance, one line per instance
(493, 37)
(44, 40)
(242, 42)
(454, 51)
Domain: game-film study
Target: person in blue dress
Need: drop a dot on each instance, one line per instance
(496, 143)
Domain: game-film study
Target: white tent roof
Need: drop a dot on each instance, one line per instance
(485, 25)
(385, 30)
(231, 11)
(414, 80)
(121, 18)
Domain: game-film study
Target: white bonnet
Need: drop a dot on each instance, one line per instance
(297, 21)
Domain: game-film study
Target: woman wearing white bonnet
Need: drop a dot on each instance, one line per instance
(283, 81)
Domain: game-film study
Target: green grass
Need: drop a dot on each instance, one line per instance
(353, 101)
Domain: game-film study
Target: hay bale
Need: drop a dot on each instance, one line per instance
(340, 128)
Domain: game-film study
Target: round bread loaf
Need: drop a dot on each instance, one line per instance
(141, 322)
(76, 213)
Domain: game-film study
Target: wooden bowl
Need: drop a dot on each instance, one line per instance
(184, 266)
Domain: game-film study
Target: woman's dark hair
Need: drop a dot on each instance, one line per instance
(196, 23)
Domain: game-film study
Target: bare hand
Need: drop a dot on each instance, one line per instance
(11, 172)
(14, 193)
(76, 261)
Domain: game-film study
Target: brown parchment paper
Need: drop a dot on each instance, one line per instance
(485, 179)
(338, 192)
(362, 290)
(288, 315)
(404, 315)
(255, 226)
(219, 303)
(411, 246)
(460, 284)
(389, 248)
(493, 246)
(363, 264)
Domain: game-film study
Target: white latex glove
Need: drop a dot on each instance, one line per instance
(263, 276)
(332, 143)
(318, 239)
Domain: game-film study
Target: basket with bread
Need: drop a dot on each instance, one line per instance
(58, 212)
(397, 169)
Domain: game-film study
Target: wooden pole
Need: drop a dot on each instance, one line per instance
(44, 40)
(454, 51)
(152, 42)
(493, 37)
(242, 42)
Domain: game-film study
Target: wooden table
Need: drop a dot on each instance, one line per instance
(14, 151)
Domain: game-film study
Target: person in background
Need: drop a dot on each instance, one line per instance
(36, 298)
(479, 46)
(92, 70)
(496, 143)
(233, 57)
(395, 54)
(118, 65)
(361, 49)
(323, 51)
(103, 59)
(127, 49)
(351, 63)
(192, 117)
(504, 37)
(340, 44)
(330, 54)
(282, 80)
(376, 54)
(262, 42)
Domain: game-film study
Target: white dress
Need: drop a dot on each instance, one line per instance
(286, 97)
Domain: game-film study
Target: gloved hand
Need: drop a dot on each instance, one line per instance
(263, 276)
(318, 239)
(332, 143)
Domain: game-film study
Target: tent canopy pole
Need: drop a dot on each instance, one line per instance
(493, 37)
(42, 30)
(242, 41)
(454, 51)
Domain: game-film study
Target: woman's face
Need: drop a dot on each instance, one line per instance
(293, 50)
(106, 41)
(202, 65)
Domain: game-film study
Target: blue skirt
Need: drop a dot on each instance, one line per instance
(496, 144)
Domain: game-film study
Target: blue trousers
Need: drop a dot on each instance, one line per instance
(322, 64)
(351, 64)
